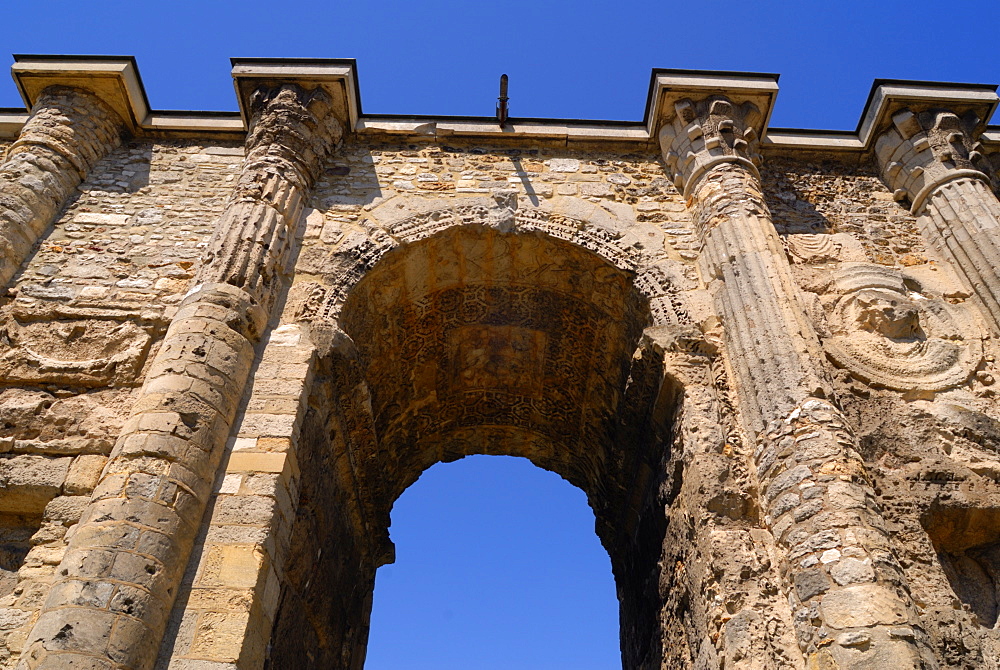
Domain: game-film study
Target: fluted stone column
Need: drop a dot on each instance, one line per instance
(932, 159)
(68, 132)
(845, 585)
(118, 580)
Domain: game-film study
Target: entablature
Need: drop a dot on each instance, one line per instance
(116, 80)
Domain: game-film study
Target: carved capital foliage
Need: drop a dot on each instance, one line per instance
(925, 149)
(292, 131)
(706, 133)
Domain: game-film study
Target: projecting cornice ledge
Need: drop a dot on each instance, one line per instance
(115, 79)
(669, 87)
(336, 76)
(887, 98)
(890, 96)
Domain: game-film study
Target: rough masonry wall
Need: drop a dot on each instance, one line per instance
(79, 323)
(83, 318)
(136, 230)
(362, 175)
(708, 581)
(914, 365)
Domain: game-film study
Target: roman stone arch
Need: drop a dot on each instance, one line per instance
(445, 328)
(210, 467)
(478, 326)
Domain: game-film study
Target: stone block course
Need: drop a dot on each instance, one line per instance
(770, 368)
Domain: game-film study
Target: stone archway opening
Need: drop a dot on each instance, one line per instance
(476, 341)
(497, 566)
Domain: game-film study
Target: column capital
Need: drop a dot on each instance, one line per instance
(707, 133)
(924, 149)
(709, 118)
(336, 77)
(927, 134)
(291, 131)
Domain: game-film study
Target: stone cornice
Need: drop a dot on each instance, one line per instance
(116, 80)
(112, 79)
(668, 87)
(890, 96)
(337, 77)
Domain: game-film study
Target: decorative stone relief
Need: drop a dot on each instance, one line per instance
(88, 353)
(408, 220)
(75, 348)
(925, 149)
(502, 336)
(933, 158)
(706, 133)
(812, 249)
(887, 334)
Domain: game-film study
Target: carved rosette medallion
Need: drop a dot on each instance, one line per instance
(888, 334)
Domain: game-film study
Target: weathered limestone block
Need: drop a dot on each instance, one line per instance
(68, 132)
(28, 482)
(37, 422)
(122, 568)
(84, 474)
(932, 158)
(805, 449)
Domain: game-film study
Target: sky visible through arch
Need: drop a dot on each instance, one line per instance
(497, 567)
(581, 59)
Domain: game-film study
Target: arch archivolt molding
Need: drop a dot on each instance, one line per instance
(428, 284)
(614, 236)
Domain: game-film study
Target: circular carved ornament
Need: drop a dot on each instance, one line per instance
(888, 335)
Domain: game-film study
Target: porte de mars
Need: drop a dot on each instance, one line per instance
(228, 343)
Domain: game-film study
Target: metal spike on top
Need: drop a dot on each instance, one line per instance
(502, 102)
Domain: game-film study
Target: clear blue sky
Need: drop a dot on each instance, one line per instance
(497, 563)
(581, 59)
(497, 568)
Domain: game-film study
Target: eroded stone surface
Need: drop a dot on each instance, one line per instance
(774, 383)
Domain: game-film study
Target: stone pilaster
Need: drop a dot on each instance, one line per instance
(845, 585)
(931, 159)
(68, 132)
(118, 580)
